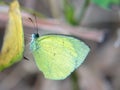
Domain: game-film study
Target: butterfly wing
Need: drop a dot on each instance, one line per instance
(13, 43)
(57, 56)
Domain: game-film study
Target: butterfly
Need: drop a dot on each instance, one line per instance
(57, 56)
(13, 41)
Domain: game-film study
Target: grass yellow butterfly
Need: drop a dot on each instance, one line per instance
(57, 56)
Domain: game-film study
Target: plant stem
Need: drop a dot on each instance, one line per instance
(75, 83)
(83, 11)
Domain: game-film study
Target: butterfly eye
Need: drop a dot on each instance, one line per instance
(35, 35)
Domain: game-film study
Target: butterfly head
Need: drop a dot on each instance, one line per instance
(35, 36)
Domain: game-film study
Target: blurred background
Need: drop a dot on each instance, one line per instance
(96, 22)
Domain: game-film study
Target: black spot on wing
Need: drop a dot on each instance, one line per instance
(54, 54)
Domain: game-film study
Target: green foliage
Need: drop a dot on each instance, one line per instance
(69, 12)
(106, 4)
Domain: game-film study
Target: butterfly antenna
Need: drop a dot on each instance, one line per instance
(36, 23)
(32, 22)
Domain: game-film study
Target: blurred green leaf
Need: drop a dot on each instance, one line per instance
(69, 12)
(106, 4)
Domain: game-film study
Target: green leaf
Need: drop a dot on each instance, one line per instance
(106, 4)
(69, 12)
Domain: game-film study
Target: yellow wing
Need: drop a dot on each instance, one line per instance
(57, 56)
(13, 44)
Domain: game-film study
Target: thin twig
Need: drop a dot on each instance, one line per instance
(61, 27)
